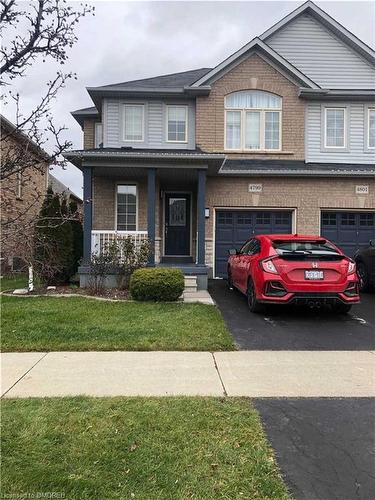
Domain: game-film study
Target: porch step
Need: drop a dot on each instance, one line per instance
(176, 260)
(190, 283)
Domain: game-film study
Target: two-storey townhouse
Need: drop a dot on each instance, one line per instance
(279, 137)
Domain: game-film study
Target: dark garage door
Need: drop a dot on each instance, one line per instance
(349, 230)
(234, 227)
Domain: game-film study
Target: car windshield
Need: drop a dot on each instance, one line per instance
(304, 247)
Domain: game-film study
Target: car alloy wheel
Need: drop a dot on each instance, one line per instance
(362, 275)
(252, 302)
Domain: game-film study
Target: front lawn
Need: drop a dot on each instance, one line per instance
(80, 324)
(12, 281)
(170, 449)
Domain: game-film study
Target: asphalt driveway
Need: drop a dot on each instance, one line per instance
(292, 328)
(324, 447)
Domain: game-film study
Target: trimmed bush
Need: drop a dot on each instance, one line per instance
(159, 284)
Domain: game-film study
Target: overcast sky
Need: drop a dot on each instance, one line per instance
(130, 40)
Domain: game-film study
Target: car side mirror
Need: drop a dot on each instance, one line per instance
(232, 251)
(372, 243)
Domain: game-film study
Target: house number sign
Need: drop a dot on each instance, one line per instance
(361, 190)
(255, 188)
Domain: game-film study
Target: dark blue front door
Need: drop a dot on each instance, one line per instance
(349, 230)
(177, 224)
(234, 227)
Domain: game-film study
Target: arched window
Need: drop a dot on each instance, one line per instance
(253, 121)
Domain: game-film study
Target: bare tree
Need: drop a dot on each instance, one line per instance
(32, 32)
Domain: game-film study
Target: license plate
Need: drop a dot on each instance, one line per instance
(314, 275)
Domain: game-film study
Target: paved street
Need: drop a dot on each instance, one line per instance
(291, 328)
(325, 447)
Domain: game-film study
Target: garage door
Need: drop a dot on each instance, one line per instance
(349, 230)
(234, 227)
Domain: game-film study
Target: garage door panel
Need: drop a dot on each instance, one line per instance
(234, 227)
(349, 230)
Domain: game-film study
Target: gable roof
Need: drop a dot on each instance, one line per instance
(80, 115)
(255, 45)
(338, 29)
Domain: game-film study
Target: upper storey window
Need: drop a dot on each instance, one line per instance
(177, 123)
(335, 128)
(134, 122)
(253, 121)
(371, 128)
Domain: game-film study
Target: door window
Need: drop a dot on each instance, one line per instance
(177, 211)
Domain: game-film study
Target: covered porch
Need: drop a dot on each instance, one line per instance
(162, 201)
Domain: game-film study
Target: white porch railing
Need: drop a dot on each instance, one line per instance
(100, 239)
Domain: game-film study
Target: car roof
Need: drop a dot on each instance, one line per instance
(292, 237)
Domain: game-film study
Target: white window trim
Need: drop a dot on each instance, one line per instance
(127, 105)
(96, 144)
(369, 109)
(124, 183)
(262, 148)
(340, 108)
(186, 122)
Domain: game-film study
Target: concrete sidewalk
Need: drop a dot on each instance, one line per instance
(247, 373)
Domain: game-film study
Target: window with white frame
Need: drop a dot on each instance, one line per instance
(98, 135)
(334, 127)
(126, 207)
(133, 122)
(371, 128)
(177, 117)
(253, 121)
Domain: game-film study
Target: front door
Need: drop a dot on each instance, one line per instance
(177, 224)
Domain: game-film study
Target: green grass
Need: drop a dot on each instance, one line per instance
(167, 449)
(80, 324)
(12, 281)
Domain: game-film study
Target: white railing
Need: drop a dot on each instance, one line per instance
(101, 239)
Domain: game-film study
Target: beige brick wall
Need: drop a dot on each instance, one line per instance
(253, 73)
(308, 196)
(89, 133)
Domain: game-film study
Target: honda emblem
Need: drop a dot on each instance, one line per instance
(315, 265)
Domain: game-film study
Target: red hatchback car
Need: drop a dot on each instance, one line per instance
(293, 269)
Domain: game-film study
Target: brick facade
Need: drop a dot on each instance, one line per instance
(252, 73)
(21, 200)
(89, 133)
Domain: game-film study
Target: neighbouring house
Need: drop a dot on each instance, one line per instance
(24, 182)
(59, 188)
(277, 138)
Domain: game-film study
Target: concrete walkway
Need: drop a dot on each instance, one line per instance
(251, 374)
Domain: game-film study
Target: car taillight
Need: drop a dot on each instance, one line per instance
(351, 267)
(268, 266)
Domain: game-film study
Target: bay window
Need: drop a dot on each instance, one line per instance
(126, 202)
(134, 122)
(177, 123)
(253, 121)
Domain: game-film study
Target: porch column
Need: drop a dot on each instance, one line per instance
(151, 199)
(87, 213)
(201, 221)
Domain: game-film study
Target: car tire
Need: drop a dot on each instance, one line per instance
(229, 280)
(254, 305)
(341, 308)
(364, 284)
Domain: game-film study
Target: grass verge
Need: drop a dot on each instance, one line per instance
(81, 324)
(142, 448)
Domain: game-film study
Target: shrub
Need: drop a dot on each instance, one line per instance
(160, 284)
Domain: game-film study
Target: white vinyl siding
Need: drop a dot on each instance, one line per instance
(334, 127)
(155, 124)
(126, 203)
(356, 134)
(134, 122)
(320, 55)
